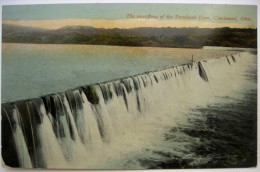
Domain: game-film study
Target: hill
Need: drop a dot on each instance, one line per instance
(149, 36)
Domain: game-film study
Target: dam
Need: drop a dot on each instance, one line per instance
(91, 126)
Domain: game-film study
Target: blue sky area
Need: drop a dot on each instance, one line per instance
(119, 11)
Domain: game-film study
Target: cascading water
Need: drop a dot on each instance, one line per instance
(113, 124)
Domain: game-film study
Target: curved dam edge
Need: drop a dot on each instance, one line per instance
(187, 65)
(37, 131)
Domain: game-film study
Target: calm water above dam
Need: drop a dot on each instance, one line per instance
(33, 70)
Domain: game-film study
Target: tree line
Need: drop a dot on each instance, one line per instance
(151, 37)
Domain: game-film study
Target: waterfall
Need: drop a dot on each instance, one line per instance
(59, 130)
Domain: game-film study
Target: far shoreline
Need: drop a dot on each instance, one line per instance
(130, 46)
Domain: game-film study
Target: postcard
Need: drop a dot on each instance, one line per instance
(129, 86)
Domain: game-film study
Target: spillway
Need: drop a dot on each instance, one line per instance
(72, 128)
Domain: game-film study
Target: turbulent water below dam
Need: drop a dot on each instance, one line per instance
(198, 115)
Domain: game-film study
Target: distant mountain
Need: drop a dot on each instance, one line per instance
(146, 36)
(75, 29)
(14, 29)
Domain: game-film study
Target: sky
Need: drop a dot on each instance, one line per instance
(101, 15)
